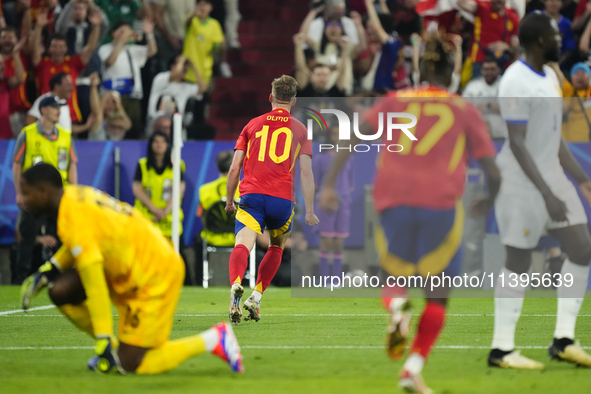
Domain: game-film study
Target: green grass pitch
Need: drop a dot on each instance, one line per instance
(299, 346)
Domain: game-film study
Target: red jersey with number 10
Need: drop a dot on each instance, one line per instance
(431, 171)
(273, 142)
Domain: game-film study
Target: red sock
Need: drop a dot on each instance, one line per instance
(268, 267)
(238, 263)
(430, 327)
(392, 292)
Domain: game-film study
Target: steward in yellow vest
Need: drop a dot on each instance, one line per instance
(212, 192)
(152, 184)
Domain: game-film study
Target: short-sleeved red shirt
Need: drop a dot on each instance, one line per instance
(18, 97)
(71, 65)
(430, 172)
(273, 143)
(490, 27)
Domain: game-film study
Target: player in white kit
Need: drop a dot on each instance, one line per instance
(536, 195)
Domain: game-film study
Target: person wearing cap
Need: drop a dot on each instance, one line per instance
(44, 141)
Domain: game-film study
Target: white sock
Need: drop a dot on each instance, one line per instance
(508, 303)
(414, 363)
(256, 295)
(570, 299)
(211, 338)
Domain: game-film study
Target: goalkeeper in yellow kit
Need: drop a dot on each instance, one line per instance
(112, 253)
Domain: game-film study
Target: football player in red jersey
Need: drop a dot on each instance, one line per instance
(418, 194)
(267, 151)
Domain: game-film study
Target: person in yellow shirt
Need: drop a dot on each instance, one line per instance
(576, 124)
(203, 40)
(113, 253)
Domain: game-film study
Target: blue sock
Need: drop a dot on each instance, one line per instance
(324, 271)
(337, 264)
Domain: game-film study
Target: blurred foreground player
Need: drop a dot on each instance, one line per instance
(267, 150)
(110, 250)
(537, 196)
(418, 195)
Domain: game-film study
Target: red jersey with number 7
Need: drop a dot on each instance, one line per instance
(431, 171)
(273, 142)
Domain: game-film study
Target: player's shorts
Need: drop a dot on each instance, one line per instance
(259, 212)
(334, 224)
(522, 215)
(146, 316)
(420, 241)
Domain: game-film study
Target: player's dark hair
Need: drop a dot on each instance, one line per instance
(285, 88)
(43, 173)
(119, 24)
(58, 37)
(151, 162)
(436, 62)
(57, 79)
(224, 161)
(532, 27)
(387, 23)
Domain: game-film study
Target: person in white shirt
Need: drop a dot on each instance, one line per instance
(122, 63)
(536, 195)
(483, 92)
(172, 84)
(337, 8)
(61, 86)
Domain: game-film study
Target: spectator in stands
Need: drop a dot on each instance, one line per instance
(162, 123)
(58, 61)
(43, 141)
(390, 65)
(495, 33)
(36, 8)
(170, 17)
(315, 82)
(316, 27)
(14, 13)
(576, 122)
(109, 119)
(125, 10)
(456, 74)
(152, 184)
(331, 49)
(568, 45)
(568, 10)
(172, 84)
(72, 23)
(122, 63)
(61, 86)
(406, 20)
(483, 93)
(204, 40)
(209, 194)
(12, 78)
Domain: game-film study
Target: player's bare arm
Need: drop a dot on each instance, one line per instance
(308, 188)
(556, 208)
(573, 168)
(233, 179)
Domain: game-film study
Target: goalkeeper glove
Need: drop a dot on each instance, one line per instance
(107, 358)
(34, 283)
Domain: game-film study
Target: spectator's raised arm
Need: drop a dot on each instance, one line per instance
(148, 29)
(375, 22)
(302, 73)
(468, 5)
(35, 42)
(584, 42)
(309, 18)
(95, 17)
(119, 44)
(362, 46)
(158, 13)
(19, 70)
(145, 11)
(200, 82)
(344, 63)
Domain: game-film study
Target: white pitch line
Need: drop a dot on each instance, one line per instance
(286, 347)
(38, 308)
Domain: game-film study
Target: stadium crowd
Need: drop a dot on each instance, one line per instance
(123, 66)
(368, 47)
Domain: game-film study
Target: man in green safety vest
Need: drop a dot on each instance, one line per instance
(41, 142)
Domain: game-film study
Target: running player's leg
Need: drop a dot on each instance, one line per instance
(576, 242)
(250, 221)
(278, 218)
(67, 293)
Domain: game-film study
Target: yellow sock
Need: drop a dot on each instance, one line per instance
(78, 314)
(172, 353)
